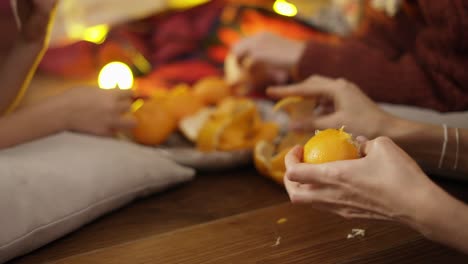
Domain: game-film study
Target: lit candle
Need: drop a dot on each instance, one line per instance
(116, 75)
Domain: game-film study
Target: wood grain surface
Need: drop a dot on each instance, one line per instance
(308, 236)
(231, 217)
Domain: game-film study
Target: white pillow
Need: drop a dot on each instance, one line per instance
(55, 185)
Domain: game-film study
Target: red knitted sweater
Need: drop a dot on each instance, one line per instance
(418, 58)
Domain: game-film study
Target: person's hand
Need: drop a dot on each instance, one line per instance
(35, 18)
(269, 58)
(342, 104)
(96, 111)
(385, 184)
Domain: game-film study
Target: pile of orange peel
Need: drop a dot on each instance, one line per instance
(209, 116)
(269, 155)
(206, 114)
(159, 116)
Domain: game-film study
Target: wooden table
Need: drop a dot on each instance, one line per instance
(231, 217)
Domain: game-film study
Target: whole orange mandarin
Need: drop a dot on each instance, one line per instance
(330, 145)
(182, 103)
(211, 90)
(155, 124)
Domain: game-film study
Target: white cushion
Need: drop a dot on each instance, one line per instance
(55, 185)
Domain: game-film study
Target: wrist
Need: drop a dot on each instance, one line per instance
(386, 125)
(441, 218)
(402, 131)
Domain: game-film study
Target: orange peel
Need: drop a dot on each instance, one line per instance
(287, 102)
(269, 157)
(296, 106)
(235, 125)
(190, 126)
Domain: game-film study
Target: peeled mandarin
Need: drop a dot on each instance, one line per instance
(330, 145)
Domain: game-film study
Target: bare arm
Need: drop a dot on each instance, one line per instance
(17, 71)
(34, 21)
(442, 219)
(361, 116)
(32, 122)
(424, 143)
(385, 184)
(85, 109)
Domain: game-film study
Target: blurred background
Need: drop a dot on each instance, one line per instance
(160, 40)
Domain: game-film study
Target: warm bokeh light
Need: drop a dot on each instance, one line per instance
(285, 8)
(137, 104)
(116, 75)
(96, 34)
(185, 3)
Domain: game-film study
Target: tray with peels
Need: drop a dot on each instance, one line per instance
(205, 126)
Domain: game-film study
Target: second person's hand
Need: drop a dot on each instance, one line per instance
(35, 18)
(95, 111)
(267, 59)
(345, 104)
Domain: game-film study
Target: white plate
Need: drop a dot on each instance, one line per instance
(184, 152)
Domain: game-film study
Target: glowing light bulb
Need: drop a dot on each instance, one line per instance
(285, 8)
(116, 75)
